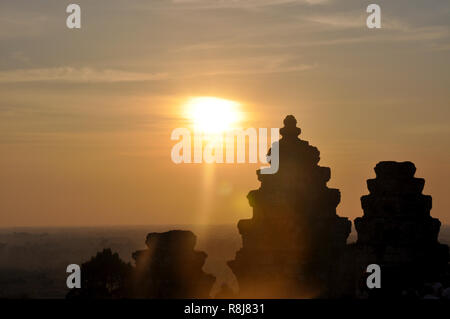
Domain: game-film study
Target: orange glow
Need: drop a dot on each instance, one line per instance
(212, 114)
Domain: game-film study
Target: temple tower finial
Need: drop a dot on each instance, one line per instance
(290, 129)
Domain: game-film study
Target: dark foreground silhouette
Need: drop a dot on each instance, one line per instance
(104, 276)
(169, 268)
(295, 246)
(291, 245)
(398, 233)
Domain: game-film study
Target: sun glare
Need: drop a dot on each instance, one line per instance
(212, 114)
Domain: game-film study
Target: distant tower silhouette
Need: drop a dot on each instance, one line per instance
(397, 231)
(170, 268)
(292, 243)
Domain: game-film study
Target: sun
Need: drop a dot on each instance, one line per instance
(213, 114)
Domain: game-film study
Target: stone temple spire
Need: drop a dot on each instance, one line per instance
(290, 245)
(397, 232)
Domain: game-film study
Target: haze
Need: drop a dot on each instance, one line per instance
(86, 115)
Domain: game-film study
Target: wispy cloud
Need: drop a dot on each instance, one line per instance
(265, 70)
(215, 67)
(254, 66)
(339, 20)
(69, 74)
(342, 28)
(245, 3)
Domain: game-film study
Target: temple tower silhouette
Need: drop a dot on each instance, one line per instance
(170, 268)
(397, 233)
(292, 244)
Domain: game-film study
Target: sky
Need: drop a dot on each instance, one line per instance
(86, 115)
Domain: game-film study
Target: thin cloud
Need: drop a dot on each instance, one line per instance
(257, 65)
(244, 3)
(265, 70)
(76, 75)
(436, 37)
(261, 65)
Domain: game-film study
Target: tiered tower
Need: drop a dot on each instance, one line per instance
(291, 246)
(397, 231)
(171, 268)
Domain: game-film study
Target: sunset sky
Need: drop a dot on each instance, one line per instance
(86, 115)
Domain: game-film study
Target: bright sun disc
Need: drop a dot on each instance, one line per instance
(213, 115)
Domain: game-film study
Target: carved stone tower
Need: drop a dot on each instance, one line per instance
(291, 246)
(397, 232)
